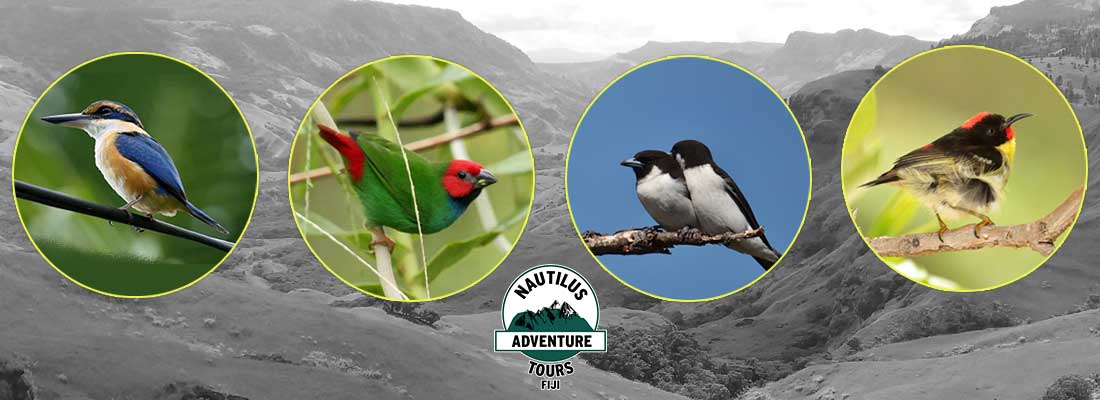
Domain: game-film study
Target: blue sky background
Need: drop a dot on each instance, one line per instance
(749, 130)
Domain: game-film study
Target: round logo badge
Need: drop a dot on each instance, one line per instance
(550, 314)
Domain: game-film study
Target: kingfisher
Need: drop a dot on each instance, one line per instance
(136, 166)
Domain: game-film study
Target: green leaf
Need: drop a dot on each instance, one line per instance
(349, 91)
(512, 220)
(406, 100)
(477, 91)
(327, 225)
(408, 72)
(453, 252)
(351, 237)
(898, 212)
(450, 74)
(518, 163)
(373, 288)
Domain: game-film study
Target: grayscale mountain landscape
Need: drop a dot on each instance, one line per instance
(831, 322)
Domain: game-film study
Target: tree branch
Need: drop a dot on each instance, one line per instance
(418, 145)
(651, 241)
(1037, 235)
(428, 120)
(63, 201)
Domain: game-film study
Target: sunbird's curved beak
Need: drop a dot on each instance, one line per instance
(1017, 117)
(631, 162)
(76, 120)
(485, 178)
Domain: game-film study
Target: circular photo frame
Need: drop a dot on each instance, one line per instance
(964, 168)
(688, 178)
(135, 174)
(424, 223)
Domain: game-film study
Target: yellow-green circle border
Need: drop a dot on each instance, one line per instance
(530, 153)
(247, 128)
(1080, 131)
(805, 147)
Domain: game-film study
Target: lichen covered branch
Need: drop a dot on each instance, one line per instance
(1038, 235)
(652, 240)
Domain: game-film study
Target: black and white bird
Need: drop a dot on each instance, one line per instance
(662, 190)
(720, 206)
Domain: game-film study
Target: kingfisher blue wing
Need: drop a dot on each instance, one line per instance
(145, 151)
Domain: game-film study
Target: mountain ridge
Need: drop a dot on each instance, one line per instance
(801, 58)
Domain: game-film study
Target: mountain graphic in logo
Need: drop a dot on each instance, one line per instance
(554, 318)
(536, 320)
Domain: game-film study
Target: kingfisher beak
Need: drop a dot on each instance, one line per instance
(1017, 117)
(76, 120)
(485, 178)
(631, 162)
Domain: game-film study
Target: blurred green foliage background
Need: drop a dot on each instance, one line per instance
(193, 118)
(415, 88)
(925, 98)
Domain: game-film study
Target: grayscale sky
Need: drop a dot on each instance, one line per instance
(587, 29)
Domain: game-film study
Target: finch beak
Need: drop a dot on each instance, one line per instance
(485, 178)
(77, 120)
(1017, 117)
(631, 162)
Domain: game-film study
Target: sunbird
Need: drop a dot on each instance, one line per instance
(963, 172)
(134, 164)
(377, 169)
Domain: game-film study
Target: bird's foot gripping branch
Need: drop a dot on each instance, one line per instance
(1038, 235)
(649, 240)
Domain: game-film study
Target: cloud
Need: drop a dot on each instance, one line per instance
(608, 27)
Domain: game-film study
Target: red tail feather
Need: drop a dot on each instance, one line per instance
(347, 147)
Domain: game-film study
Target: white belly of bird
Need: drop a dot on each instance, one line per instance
(666, 200)
(718, 213)
(116, 176)
(946, 202)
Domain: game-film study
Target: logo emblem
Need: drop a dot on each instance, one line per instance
(550, 314)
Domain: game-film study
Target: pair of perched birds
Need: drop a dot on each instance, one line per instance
(686, 189)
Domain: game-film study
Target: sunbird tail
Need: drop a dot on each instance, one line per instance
(887, 177)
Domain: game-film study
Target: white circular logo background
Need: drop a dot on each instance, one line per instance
(545, 295)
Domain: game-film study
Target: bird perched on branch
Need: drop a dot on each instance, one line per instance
(963, 172)
(377, 169)
(136, 166)
(719, 204)
(662, 190)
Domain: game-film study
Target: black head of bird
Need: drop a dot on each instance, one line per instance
(644, 161)
(992, 129)
(691, 153)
